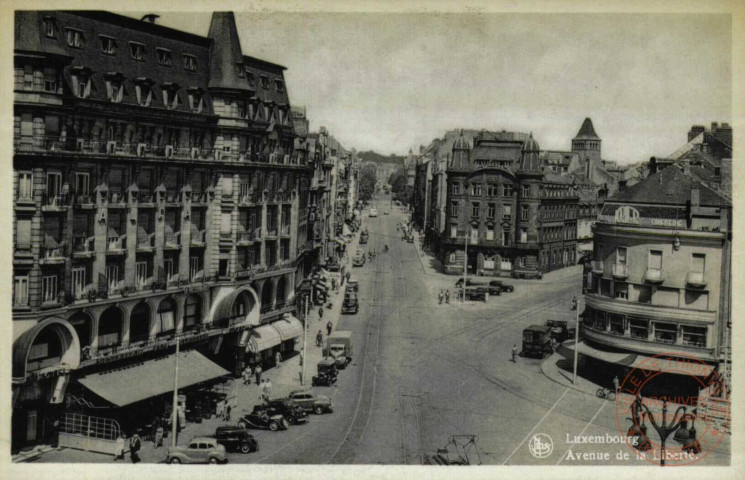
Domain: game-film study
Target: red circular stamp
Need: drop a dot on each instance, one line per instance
(673, 408)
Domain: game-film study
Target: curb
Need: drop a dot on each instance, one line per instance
(545, 365)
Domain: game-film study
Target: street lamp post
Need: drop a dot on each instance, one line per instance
(663, 430)
(174, 423)
(305, 338)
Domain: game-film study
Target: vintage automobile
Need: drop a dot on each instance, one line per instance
(559, 329)
(236, 438)
(351, 303)
(353, 285)
(363, 237)
(476, 292)
(358, 260)
(310, 402)
(373, 212)
(327, 372)
(469, 283)
(504, 287)
(537, 341)
(262, 419)
(292, 412)
(494, 287)
(199, 450)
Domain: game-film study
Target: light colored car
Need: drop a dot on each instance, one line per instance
(311, 402)
(373, 212)
(199, 450)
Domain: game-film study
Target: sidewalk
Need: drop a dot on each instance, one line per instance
(558, 369)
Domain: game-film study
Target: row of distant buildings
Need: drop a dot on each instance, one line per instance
(164, 189)
(655, 238)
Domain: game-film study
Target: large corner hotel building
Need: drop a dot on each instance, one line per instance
(158, 192)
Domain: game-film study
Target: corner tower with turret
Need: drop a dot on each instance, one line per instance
(529, 175)
(587, 144)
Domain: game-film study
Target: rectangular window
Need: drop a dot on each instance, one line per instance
(50, 80)
(474, 235)
(621, 291)
(644, 294)
(112, 276)
(164, 56)
(526, 190)
(20, 295)
(506, 210)
(600, 321)
(639, 328)
(54, 184)
(505, 238)
(137, 51)
(655, 260)
(168, 267)
(523, 235)
(49, 288)
(456, 188)
(524, 212)
(492, 210)
(108, 45)
(74, 38)
(616, 324)
(489, 233)
(25, 185)
(665, 333)
(141, 273)
(251, 79)
(621, 256)
(82, 183)
(193, 267)
(475, 209)
(508, 190)
(190, 63)
(453, 209)
(453, 231)
(144, 94)
(280, 85)
(49, 27)
(491, 190)
(698, 263)
(694, 336)
(264, 81)
(23, 233)
(27, 125)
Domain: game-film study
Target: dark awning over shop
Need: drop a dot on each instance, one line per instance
(288, 328)
(128, 385)
(620, 358)
(263, 338)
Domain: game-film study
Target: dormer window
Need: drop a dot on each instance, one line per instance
(108, 45)
(144, 91)
(264, 82)
(196, 102)
(280, 85)
(164, 56)
(170, 96)
(137, 51)
(74, 38)
(240, 70)
(50, 27)
(190, 63)
(81, 81)
(251, 79)
(115, 87)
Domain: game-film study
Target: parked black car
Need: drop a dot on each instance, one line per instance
(505, 287)
(260, 418)
(495, 287)
(292, 412)
(469, 282)
(236, 439)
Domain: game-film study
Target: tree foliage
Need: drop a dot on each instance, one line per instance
(368, 178)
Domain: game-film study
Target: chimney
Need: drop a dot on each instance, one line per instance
(724, 134)
(652, 165)
(695, 131)
(714, 126)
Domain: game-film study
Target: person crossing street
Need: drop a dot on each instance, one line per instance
(514, 353)
(329, 327)
(319, 338)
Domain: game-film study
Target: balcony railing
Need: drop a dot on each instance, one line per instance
(50, 202)
(117, 199)
(247, 236)
(116, 244)
(83, 244)
(654, 275)
(198, 237)
(620, 271)
(146, 240)
(173, 239)
(285, 230)
(54, 254)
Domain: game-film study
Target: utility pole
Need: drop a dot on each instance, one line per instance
(465, 267)
(576, 335)
(174, 423)
(305, 338)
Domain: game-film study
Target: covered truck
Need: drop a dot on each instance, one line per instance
(339, 346)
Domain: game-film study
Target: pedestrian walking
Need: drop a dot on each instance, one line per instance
(319, 338)
(264, 396)
(348, 275)
(119, 451)
(247, 375)
(257, 372)
(333, 284)
(278, 358)
(329, 327)
(447, 296)
(220, 409)
(616, 384)
(440, 296)
(514, 353)
(320, 313)
(158, 440)
(134, 448)
(268, 388)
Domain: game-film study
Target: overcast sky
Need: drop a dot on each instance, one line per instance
(391, 82)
